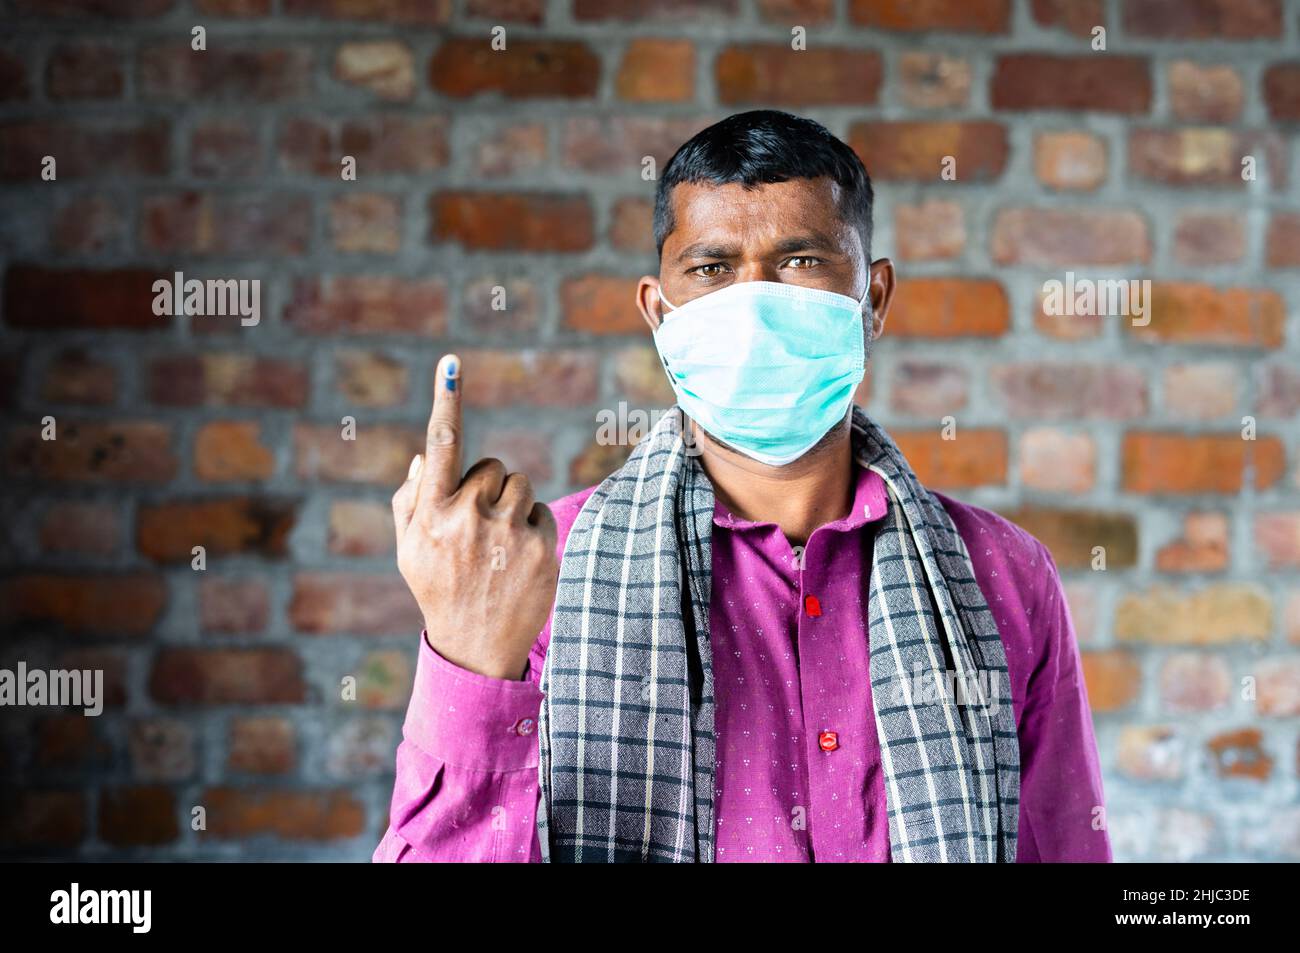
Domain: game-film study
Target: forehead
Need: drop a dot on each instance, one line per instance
(703, 211)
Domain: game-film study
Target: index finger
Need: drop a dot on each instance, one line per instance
(440, 476)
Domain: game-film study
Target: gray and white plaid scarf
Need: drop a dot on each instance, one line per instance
(626, 730)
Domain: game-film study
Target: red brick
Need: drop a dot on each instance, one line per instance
(1205, 463)
(226, 379)
(166, 532)
(653, 9)
(1059, 236)
(381, 144)
(36, 818)
(94, 452)
(1203, 546)
(1074, 16)
(929, 390)
(88, 223)
(601, 304)
(522, 450)
(124, 9)
(73, 377)
(1279, 390)
(1097, 82)
(233, 605)
(266, 676)
(1240, 754)
(595, 462)
(639, 377)
(84, 71)
(263, 745)
(527, 69)
(420, 12)
(384, 67)
(1209, 238)
(1150, 753)
(1070, 160)
(1202, 314)
(508, 11)
(499, 221)
(384, 680)
(226, 149)
(99, 148)
(1071, 535)
(65, 299)
(1191, 683)
(510, 312)
(933, 80)
(1071, 391)
(1282, 91)
(125, 604)
(619, 145)
(234, 8)
(380, 454)
(1200, 157)
(370, 378)
(530, 378)
(930, 230)
(14, 84)
(81, 528)
(353, 603)
(232, 450)
(776, 75)
(1201, 391)
(946, 16)
(162, 749)
(632, 225)
(224, 73)
(70, 742)
(1278, 537)
(1279, 688)
(1056, 461)
(111, 663)
(906, 151)
(235, 814)
(1113, 678)
(361, 528)
(245, 226)
(1284, 240)
(511, 150)
(366, 304)
(948, 307)
(975, 458)
(657, 71)
(366, 223)
(1204, 93)
(1203, 19)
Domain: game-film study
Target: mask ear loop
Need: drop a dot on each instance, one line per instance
(664, 298)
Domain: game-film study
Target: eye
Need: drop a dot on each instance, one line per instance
(711, 270)
(803, 261)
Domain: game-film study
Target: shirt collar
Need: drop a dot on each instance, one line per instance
(869, 502)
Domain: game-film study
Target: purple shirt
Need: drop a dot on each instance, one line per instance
(786, 670)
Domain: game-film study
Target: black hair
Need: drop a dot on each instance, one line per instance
(766, 145)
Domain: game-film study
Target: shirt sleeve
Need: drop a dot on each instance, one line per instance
(1062, 810)
(466, 786)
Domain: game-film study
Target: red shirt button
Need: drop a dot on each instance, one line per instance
(524, 726)
(829, 740)
(812, 606)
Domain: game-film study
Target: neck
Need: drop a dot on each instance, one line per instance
(799, 497)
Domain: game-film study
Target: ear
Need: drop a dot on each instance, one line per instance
(882, 294)
(648, 301)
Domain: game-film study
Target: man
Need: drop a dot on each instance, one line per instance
(762, 639)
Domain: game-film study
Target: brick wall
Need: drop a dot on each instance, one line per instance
(522, 170)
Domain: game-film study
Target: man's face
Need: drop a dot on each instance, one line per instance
(790, 232)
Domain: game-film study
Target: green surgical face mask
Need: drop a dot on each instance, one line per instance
(766, 367)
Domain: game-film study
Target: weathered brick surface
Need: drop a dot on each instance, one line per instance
(501, 207)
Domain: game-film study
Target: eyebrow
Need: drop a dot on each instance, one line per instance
(785, 246)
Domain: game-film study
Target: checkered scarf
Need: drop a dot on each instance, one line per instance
(626, 730)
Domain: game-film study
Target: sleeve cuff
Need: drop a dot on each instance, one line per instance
(470, 720)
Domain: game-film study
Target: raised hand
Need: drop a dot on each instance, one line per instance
(477, 553)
